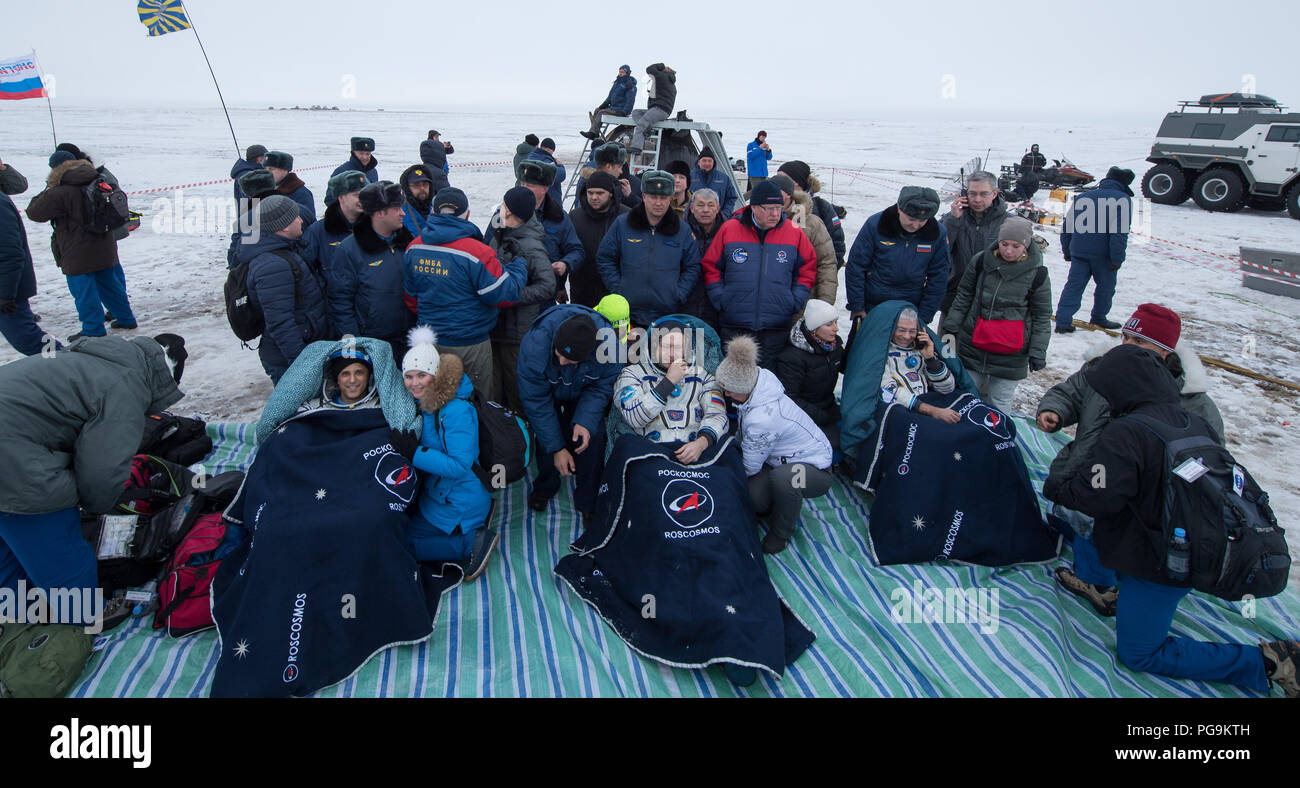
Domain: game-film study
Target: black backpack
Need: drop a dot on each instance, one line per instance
(503, 441)
(106, 206)
(246, 320)
(175, 438)
(1237, 547)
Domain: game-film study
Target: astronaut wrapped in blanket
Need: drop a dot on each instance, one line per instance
(669, 398)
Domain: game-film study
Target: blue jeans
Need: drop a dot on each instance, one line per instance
(46, 550)
(1081, 270)
(429, 543)
(1142, 619)
(93, 293)
(1087, 564)
(21, 331)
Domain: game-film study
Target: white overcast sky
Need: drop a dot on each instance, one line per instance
(780, 59)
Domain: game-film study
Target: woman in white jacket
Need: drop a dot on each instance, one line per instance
(787, 457)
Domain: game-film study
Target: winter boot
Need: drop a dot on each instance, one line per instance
(1104, 323)
(1280, 658)
(485, 541)
(1065, 329)
(1103, 599)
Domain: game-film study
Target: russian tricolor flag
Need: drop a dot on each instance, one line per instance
(20, 78)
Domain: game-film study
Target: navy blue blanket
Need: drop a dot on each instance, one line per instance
(957, 492)
(671, 561)
(322, 580)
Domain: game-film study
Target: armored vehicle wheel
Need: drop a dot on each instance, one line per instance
(1219, 189)
(1165, 184)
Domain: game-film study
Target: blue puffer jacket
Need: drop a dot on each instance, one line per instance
(1090, 232)
(458, 281)
(295, 315)
(543, 381)
(654, 268)
(557, 185)
(320, 242)
(622, 95)
(756, 160)
(17, 277)
(562, 242)
(718, 181)
(886, 263)
(366, 283)
(451, 494)
(240, 167)
(371, 171)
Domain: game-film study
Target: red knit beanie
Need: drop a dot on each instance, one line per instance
(1156, 324)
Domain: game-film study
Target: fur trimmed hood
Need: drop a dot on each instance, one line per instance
(78, 178)
(446, 384)
(1194, 378)
(290, 184)
(814, 184)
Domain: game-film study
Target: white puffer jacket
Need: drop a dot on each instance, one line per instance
(775, 431)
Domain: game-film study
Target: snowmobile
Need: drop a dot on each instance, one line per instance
(1017, 184)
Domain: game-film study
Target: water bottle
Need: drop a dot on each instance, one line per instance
(1177, 563)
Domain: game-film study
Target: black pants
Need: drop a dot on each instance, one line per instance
(589, 466)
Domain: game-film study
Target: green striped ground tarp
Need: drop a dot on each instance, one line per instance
(518, 631)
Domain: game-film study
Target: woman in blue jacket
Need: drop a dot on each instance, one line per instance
(451, 521)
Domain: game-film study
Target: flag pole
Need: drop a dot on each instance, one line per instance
(238, 153)
(48, 103)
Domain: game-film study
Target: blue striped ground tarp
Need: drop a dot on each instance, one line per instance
(518, 631)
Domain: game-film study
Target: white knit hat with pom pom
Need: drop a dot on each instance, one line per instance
(423, 355)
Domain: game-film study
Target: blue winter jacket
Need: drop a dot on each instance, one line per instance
(543, 382)
(17, 277)
(756, 160)
(718, 181)
(371, 170)
(886, 263)
(367, 281)
(654, 268)
(622, 95)
(240, 167)
(451, 494)
(320, 242)
(1097, 228)
(295, 314)
(293, 188)
(562, 242)
(458, 281)
(557, 185)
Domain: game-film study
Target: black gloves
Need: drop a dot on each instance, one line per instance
(8, 306)
(404, 443)
(1036, 364)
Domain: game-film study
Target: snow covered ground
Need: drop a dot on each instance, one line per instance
(175, 269)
